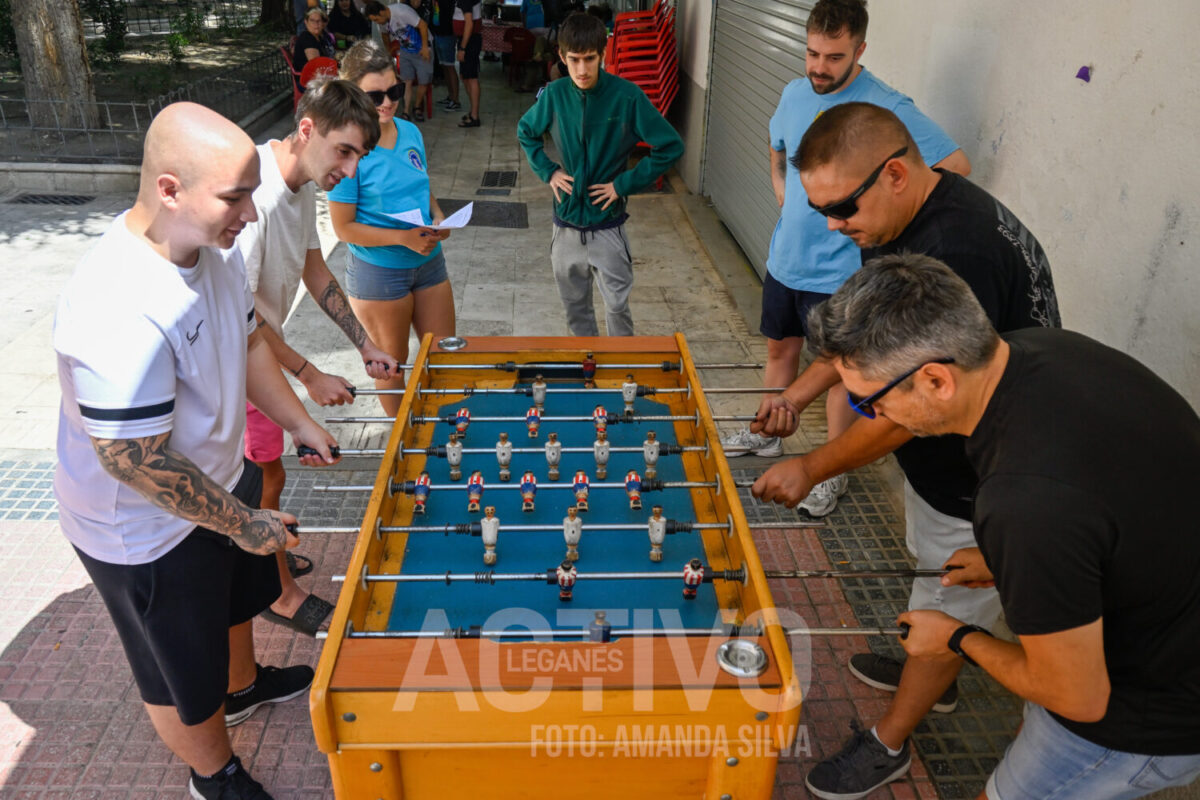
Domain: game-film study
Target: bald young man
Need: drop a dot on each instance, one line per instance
(158, 350)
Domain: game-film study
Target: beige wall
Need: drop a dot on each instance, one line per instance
(1106, 174)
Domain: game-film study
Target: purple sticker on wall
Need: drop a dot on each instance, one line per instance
(1084, 74)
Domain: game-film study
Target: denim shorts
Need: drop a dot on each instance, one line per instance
(1047, 760)
(447, 49)
(366, 281)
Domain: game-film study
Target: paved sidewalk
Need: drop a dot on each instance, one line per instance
(71, 724)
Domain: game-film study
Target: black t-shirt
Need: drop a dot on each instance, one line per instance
(1088, 464)
(443, 18)
(306, 41)
(354, 24)
(987, 246)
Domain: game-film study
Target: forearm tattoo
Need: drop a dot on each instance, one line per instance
(175, 484)
(333, 301)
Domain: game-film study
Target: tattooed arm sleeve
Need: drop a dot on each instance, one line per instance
(324, 288)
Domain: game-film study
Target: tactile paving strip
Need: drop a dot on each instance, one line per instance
(866, 531)
(27, 490)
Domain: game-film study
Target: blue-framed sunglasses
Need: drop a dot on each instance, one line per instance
(865, 405)
(847, 207)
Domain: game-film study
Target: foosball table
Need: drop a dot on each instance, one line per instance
(554, 591)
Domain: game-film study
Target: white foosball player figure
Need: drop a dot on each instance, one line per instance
(474, 491)
(629, 394)
(693, 576)
(566, 573)
(658, 533)
(581, 490)
(489, 529)
(539, 394)
(600, 419)
(454, 454)
(462, 421)
(633, 488)
(601, 450)
(572, 532)
(528, 490)
(504, 450)
(553, 455)
(650, 451)
(533, 421)
(420, 493)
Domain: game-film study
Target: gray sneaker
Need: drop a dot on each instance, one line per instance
(884, 673)
(745, 443)
(823, 498)
(859, 768)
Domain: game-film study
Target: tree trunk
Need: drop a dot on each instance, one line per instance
(54, 63)
(276, 15)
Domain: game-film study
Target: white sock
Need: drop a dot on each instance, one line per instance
(891, 752)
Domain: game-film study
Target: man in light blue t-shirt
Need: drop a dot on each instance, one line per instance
(807, 262)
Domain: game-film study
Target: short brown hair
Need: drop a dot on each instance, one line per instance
(852, 132)
(365, 58)
(831, 17)
(332, 104)
(582, 33)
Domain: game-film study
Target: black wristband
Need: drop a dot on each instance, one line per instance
(955, 643)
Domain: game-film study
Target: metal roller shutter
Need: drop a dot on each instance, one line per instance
(758, 46)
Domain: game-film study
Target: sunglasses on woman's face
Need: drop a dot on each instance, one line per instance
(394, 94)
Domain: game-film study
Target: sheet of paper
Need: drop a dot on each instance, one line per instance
(411, 217)
(458, 219)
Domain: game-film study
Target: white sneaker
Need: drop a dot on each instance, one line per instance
(824, 496)
(745, 443)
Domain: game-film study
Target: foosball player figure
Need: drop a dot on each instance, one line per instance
(600, 419)
(572, 532)
(474, 490)
(601, 449)
(629, 394)
(420, 493)
(528, 491)
(581, 490)
(454, 454)
(566, 579)
(533, 421)
(553, 455)
(633, 488)
(650, 451)
(489, 528)
(504, 457)
(539, 393)
(693, 576)
(462, 421)
(589, 371)
(658, 533)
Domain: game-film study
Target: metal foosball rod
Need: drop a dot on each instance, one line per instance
(512, 366)
(550, 576)
(440, 452)
(612, 419)
(647, 485)
(475, 529)
(527, 391)
(474, 632)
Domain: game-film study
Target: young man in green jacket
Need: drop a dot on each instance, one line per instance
(596, 120)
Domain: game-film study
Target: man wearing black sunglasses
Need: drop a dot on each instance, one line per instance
(863, 173)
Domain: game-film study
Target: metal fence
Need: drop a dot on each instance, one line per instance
(166, 16)
(112, 132)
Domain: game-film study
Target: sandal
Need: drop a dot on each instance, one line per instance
(419, 115)
(469, 122)
(308, 617)
(298, 565)
(404, 116)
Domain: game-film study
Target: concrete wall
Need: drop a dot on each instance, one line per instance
(693, 29)
(1105, 173)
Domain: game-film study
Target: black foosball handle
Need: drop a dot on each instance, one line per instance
(305, 450)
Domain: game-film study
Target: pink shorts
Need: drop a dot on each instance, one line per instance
(264, 439)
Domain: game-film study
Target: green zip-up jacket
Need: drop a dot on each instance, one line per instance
(595, 131)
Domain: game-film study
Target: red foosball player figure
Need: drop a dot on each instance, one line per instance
(420, 493)
(566, 579)
(462, 421)
(600, 418)
(474, 490)
(581, 490)
(528, 491)
(693, 576)
(589, 371)
(633, 488)
(533, 421)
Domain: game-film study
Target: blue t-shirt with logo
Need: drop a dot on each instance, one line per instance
(390, 182)
(805, 255)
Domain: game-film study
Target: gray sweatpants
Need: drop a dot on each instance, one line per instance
(575, 255)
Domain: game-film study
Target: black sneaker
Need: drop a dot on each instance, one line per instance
(884, 673)
(862, 766)
(273, 685)
(231, 783)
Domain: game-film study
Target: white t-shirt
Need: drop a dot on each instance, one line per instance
(404, 26)
(275, 247)
(145, 347)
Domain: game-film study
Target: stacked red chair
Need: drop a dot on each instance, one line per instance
(642, 50)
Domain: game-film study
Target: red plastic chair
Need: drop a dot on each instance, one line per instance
(297, 92)
(522, 42)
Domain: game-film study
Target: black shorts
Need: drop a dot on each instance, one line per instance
(469, 67)
(785, 311)
(173, 614)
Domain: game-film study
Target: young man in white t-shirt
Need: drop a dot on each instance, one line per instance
(336, 125)
(157, 352)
